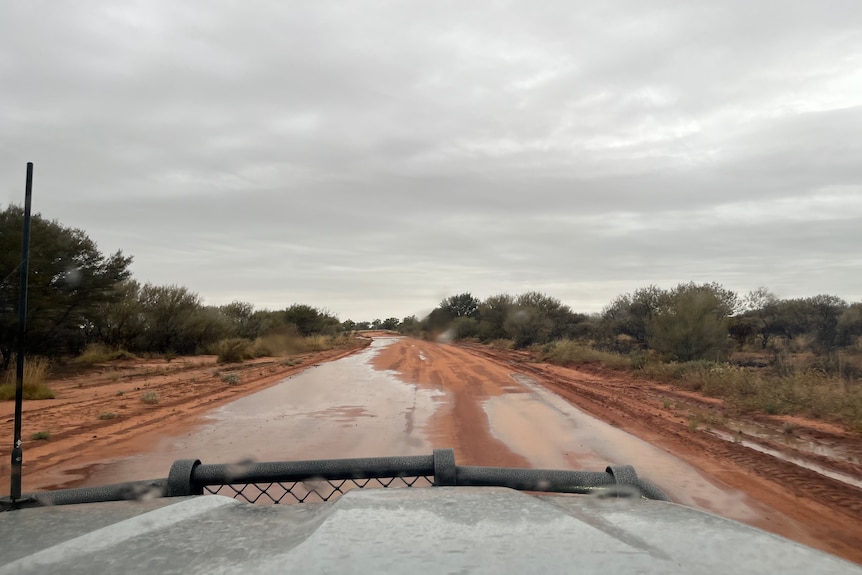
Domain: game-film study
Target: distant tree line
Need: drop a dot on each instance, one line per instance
(78, 296)
(688, 322)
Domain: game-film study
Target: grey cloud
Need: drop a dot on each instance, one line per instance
(370, 156)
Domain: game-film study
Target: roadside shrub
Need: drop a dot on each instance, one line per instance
(150, 397)
(35, 375)
(231, 378)
(502, 344)
(569, 352)
(108, 415)
(120, 354)
(93, 354)
(233, 350)
(318, 343)
(41, 435)
(99, 353)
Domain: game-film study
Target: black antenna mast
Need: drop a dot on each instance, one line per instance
(17, 453)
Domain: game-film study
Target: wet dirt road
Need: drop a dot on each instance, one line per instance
(405, 396)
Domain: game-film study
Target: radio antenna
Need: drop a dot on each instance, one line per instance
(17, 452)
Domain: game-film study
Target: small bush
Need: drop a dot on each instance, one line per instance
(318, 342)
(108, 415)
(231, 378)
(568, 352)
(36, 371)
(41, 435)
(35, 375)
(120, 354)
(233, 350)
(150, 397)
(93, 354)
(99, 353)
(502, 344)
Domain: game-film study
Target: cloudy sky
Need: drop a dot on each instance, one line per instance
(373, 157)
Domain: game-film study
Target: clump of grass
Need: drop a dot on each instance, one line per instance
(35, 375)
(502, 344)
(150, 397)
(569, 352)
(233, 350)
(231, 378)
(121, 393)
(93, 354)
(41, 435)
(318, 343)
(100, 353)
(119, 354)
(108, 415)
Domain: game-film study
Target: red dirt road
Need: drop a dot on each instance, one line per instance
(493, 407)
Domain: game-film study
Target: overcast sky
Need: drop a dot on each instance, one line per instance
(374, 157)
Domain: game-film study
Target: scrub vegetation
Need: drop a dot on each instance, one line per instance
(85, 309)
(757, 352)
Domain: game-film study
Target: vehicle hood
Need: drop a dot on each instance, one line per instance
(442, 529)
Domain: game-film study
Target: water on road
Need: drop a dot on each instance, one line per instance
(349, 408)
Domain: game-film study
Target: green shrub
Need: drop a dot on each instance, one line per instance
(231, 378)
(108, 415)
(41, 435)
(569, 352)
(150, 397)
(233, 350)
(93, 354)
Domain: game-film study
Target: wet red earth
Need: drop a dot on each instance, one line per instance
(794, 477)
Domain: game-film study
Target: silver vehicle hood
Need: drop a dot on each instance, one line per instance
(441, 530)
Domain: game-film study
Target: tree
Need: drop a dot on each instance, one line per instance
(492, 316)
(410, 325)
(310, 320)
(631, 314)
(241, 317)
(70, 280)
(849, 328)
(390, 323)
(119, 324)
(175, 321)
(461, 305)
(535, 317)
(692, 322)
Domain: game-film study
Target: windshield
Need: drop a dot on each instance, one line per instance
(544, 235)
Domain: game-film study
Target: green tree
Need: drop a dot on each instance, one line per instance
(310, 320)
(692, 322)
(461, 305)
(120, 323)
(410, 325)
(70, 280)
(240, 315)
(174, 320)
(492, 316)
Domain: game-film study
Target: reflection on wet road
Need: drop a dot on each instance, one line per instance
(429, 397)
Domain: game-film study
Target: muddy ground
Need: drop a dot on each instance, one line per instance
(798, 478)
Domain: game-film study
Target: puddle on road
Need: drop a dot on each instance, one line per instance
(548, 431)
(339, 409)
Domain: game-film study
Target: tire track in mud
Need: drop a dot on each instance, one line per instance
(829, 508)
